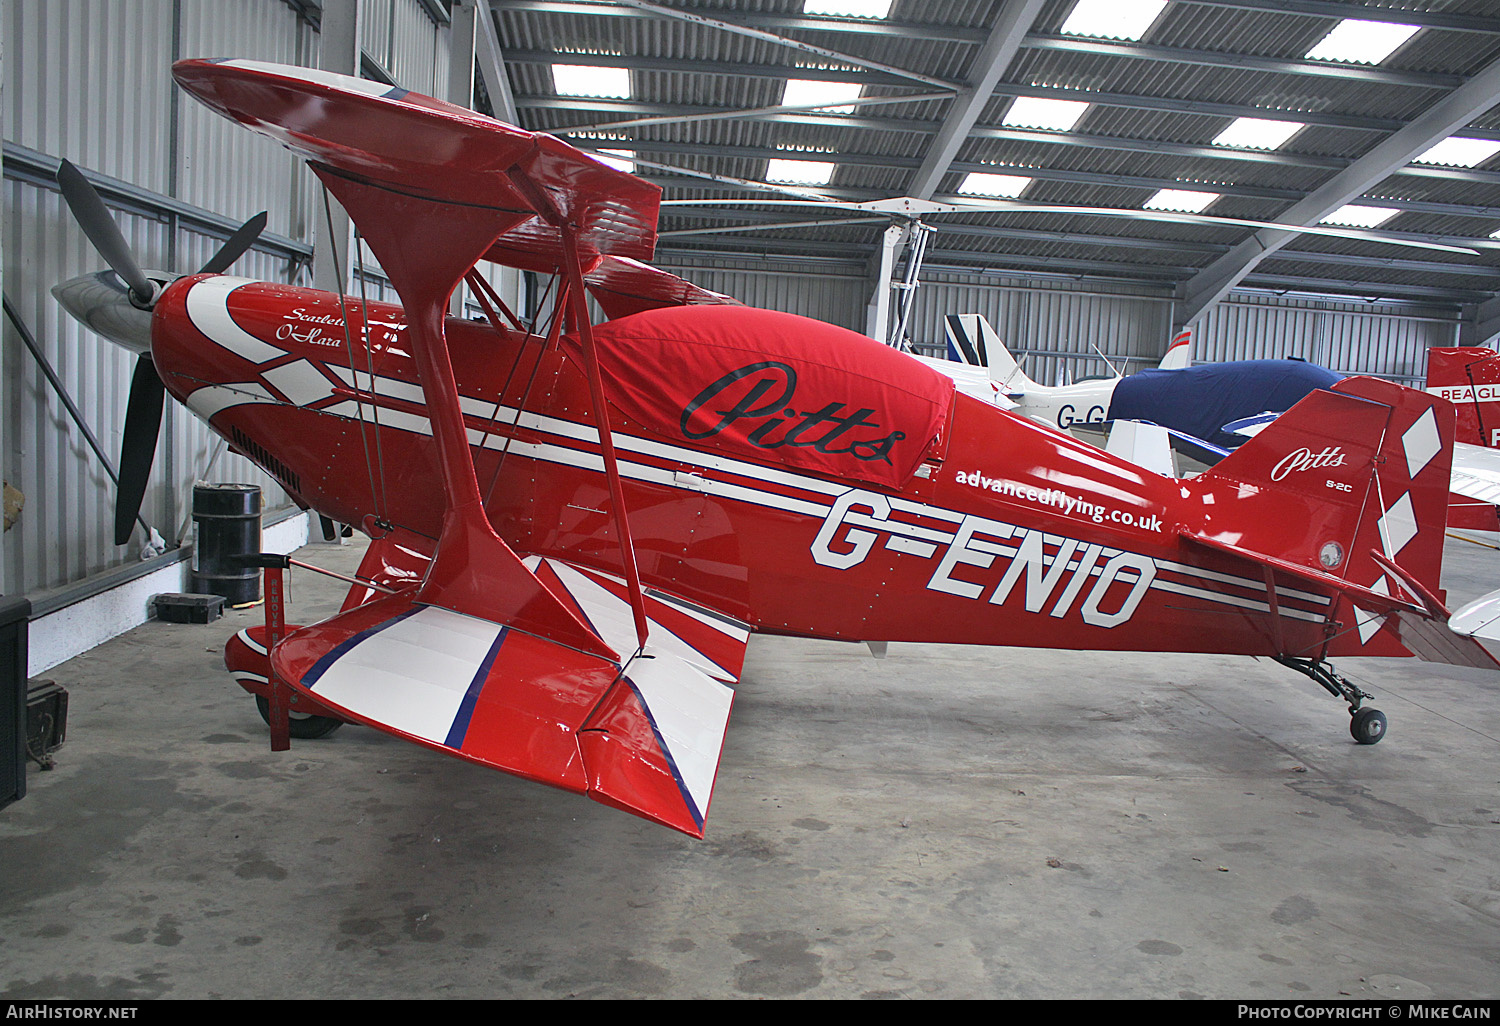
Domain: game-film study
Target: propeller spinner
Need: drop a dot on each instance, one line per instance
(117, 304)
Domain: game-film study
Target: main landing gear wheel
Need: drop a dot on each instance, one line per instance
(304, 726)
(1367, 726)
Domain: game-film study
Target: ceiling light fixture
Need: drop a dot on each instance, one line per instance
(1052, 115)
(1257, 133)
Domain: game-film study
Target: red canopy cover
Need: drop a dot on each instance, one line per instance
(774, 387)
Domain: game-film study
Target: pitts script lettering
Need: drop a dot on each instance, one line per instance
(1306, 459)
(761, 396)
(1105, 585)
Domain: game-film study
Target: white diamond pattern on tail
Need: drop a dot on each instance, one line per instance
(1367, 622)
(1421, 442)
(1398, 525)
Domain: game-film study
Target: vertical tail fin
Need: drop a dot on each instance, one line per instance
(971, 340)
(1341, 482)
(1180, 352)
(1469, 378)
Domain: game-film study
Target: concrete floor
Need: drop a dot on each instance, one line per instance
(943, 823)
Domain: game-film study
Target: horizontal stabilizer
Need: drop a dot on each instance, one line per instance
(1438, 642)
(1476, 472)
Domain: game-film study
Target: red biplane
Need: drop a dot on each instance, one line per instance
(575, 533)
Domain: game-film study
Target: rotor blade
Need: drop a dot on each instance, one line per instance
(767, 227)
(909, 208)
(138, 446)
(1181, 217)
(92, 216)
(235, 246)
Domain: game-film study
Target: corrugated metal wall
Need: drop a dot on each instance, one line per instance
(89, 81)
(1383, 340)
(1063, 331)
(838, 298)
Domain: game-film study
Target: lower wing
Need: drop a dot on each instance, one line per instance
(643, 735)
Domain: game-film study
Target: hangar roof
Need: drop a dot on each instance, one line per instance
(949, 88)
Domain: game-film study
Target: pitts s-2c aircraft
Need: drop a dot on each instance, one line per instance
(574, 534)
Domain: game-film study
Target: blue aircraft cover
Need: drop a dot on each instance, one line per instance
(1201, 399)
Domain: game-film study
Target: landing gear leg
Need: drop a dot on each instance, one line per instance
(1367, 726)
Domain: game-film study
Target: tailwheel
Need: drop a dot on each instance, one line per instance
(303, 726)
(1367, 725)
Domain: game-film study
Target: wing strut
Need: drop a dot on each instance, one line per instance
(578, 301)
(426, 246)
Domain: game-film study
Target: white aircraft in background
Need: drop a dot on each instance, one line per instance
(974, 343)
(1199, 401)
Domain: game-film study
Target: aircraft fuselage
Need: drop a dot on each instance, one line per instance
(1007, 534)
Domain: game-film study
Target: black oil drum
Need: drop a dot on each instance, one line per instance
(226, 524)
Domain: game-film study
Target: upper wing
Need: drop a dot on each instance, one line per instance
(623, 286)
(439, 151)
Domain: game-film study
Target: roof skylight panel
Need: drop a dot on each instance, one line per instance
(1361, 42)
(993, 186)
(582, 80)
(848, 8)
(1458, 151)
(1257, 133)
(801, 92)
(620, 160)
(1359, 215)
(1113, 19)
(799, 172)
(1188, 201)
(1036, 112)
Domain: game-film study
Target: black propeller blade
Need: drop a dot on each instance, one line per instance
(147, 393)
(234, 247)
(138, 446)
(89, 210)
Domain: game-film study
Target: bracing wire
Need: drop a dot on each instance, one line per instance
(359, 404)
(364, 319)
